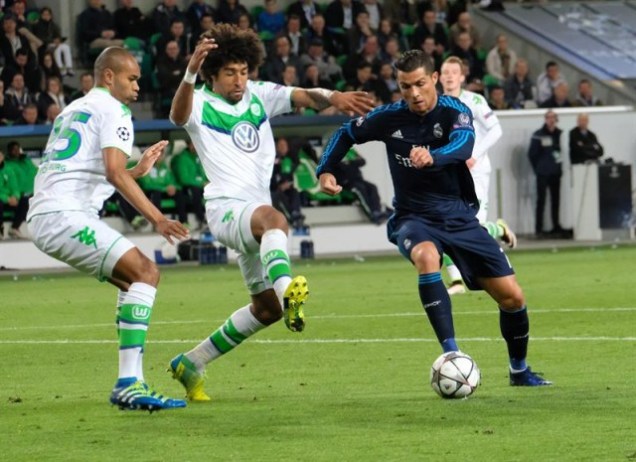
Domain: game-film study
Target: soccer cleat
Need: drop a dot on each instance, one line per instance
(192, 380)
(527, 378)
(456, 288)
(138, 396)
(508, 236)
(295, 297)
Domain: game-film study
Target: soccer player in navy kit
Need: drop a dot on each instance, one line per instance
(428, 138)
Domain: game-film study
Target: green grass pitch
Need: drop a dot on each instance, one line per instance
(352, 387)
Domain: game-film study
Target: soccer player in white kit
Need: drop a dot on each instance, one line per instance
(84, 161)
(228, 120)
(487, 133)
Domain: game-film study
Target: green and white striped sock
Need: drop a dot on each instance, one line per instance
(276, 261)
(134, 317)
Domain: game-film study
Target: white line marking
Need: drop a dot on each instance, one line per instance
(322, 341)
(213, 322)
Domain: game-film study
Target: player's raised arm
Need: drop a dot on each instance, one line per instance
(349, 102)
(182, 102)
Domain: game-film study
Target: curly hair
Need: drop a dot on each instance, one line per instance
(234, 46)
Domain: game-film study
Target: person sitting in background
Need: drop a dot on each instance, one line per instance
(54, 94)
(348, 173)
(51, 113)
(11, 40)
(96, 27)
(501, 60)
(195, 13)
(359, 32)
(275, 63)
(24, 171)
(163, 14)
(175, 33)
(341, 14)
(463, 25)
(129, 21)
(584, 146)
(87, 82)
(188, 171)
(161, 184)
(285, 196)
(518, 87)
(11, 199)
(497, 98)
(16, 98)
(332, 43)
(271, 19)
(385, 84)
(205, 24)
(548, 81)
(24, 63)
(29, 115)
(585, 96)
(49, 68)
(428, 47)
(3, 116)
(316, 54)
(229, 11)
(49, 33)
(305, 10)
(312, 78)
(465, 50)
(429, 27)
(559, 97)
(290, 76)
(171, 67)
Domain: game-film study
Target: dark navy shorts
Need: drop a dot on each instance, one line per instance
(473, 250)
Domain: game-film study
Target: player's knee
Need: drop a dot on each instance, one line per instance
(148, 273)
(512, 300)
(425, 258)
(267, 311)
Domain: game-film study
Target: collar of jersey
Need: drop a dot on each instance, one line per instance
(211, 92)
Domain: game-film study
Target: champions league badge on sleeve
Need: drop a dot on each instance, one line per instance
(123, 133)
(463, 120)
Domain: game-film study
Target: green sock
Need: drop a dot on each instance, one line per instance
(133, 326)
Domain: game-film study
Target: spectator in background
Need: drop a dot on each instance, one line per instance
(16, 98)
(4, 120)
(129, 21)
(24, 170)
(305, 10)
(87, 82)
(54, 94)
(518, 87)
(391, 51)
(464, 24)
(545, 157)
(312, 78)
(341, 14)
(18, 10)
(376, 13)
(429, 48)
(584, 146)
(358, 34)
(164, 14)
(275, 63)
(329, 70)
(175, 33)
(49, 33)
(559, 98)
(11, 41)
(547, 81)
(466, 51)
(271, 19)
(25, 65)
(51, 113)
(229, 11)
(161, 184)
(49, 68)
(429, 27)
(195, 13)
(387, 30)
(501, 60)
(11, 199)
(290, 76)
(363, 80)
(585, 96)
(188, 171)
(385, 84)
(497, 98)
(333, 44)
(285, 196)
(96, 27)
(29, 115)
(171, 66)
(294, 34)
(402, 11)
(244, 21)
(205, 24)
(370, 54)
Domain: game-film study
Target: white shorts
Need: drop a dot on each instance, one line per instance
(482, 189)
(81, 240)
(230, 223)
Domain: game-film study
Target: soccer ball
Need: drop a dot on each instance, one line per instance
(455, 375)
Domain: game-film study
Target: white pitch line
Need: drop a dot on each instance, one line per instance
(333, 316)
(322, 341)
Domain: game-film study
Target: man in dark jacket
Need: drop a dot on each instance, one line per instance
(545, 157)
(584, 146)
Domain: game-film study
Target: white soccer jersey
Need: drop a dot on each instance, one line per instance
(72, 175)
(235, 141)
(487, 130)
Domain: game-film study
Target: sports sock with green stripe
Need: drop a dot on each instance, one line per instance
(239, 326)
(494, 230)
(134, 317)
(276, 261)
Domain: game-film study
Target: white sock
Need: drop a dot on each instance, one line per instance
(454, 273)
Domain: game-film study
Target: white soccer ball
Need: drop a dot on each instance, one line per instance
(455, 375)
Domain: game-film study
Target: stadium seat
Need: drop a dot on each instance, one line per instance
(306, 182)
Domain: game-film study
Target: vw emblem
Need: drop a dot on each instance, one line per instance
(245, 137)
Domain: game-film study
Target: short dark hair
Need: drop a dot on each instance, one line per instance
(235, 46)
(414, 59)
(550, 64)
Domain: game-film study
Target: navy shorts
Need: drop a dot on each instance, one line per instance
(473, 250)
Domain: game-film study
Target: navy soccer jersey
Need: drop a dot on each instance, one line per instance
(447, 131)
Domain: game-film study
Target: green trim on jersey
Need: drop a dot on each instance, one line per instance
(220, 121)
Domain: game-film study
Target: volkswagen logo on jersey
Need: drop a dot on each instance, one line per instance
(245, 137)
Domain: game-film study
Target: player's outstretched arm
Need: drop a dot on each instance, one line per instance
(349, 102)
(148, 159)
(329, 184)
(182, 102)
(123, 181)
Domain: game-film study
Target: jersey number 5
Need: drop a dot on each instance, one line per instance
(62, 131)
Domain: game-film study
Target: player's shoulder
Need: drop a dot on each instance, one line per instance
(453, 104)
(100, 102)
(389, 110)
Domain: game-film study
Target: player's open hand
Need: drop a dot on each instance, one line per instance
(148, 158)
(172, 229)
(200, 53)
(329, 185)
(352, 102)
(420, 157)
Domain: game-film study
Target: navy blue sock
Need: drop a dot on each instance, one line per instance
(437, 305)
(515, 329)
